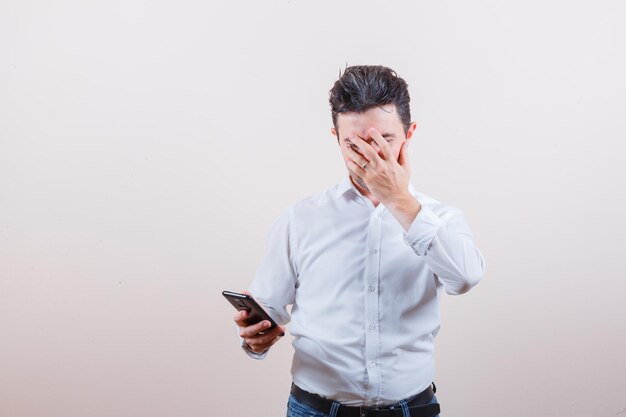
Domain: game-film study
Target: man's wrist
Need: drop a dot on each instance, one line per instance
(247, 346)
(404, 203)
(405, 209)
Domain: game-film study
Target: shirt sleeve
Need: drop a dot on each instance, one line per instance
(447, 243)
(274, 284)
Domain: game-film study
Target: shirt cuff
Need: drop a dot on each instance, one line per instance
(422, 231)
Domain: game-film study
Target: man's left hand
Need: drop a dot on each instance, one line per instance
(386, 178)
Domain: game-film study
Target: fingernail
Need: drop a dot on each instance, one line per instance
(266, 324)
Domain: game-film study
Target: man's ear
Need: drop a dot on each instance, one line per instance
(333, 132)
(411, 130)
(408, 141)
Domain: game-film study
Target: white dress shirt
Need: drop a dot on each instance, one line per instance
(364, 293)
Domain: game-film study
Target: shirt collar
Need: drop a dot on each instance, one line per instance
(346, 185)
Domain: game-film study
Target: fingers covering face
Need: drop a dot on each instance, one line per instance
(355, 157)
(366, 149)
(382, 143)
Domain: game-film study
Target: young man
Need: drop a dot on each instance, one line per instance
(363, 265)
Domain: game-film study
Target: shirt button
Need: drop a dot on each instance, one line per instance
(371, 288)
(375, 251)
(372, 326)
(372, 364)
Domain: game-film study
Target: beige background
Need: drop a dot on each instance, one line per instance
(146, 147)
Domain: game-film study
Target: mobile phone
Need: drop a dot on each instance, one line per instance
(249, 304)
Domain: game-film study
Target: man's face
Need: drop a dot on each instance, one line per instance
(385, 119)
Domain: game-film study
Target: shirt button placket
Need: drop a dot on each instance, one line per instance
(372, 334)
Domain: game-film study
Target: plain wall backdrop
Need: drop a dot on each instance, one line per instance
(147, 146)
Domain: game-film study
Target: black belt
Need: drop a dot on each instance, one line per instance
(418, 405)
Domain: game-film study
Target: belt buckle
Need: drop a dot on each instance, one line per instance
(378, 411)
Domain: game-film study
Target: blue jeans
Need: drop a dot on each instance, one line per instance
(296, 409)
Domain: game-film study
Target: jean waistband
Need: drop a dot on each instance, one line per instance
(325, 405)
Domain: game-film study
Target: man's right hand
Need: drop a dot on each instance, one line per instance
(258, 343)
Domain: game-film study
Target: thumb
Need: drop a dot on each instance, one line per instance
(403, 158)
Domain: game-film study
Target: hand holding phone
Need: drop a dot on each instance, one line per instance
(256, 327)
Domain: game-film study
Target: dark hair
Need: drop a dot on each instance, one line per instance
(362, 87)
